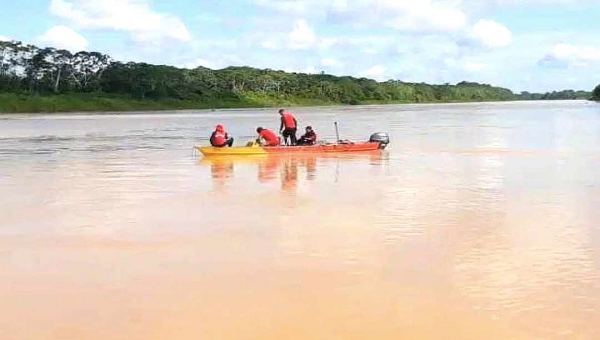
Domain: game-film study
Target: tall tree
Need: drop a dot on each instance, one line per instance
(596, 93)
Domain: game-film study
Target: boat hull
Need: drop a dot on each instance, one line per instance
(266, 150)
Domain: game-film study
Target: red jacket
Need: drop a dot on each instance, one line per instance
(270, 137)
(219, 136)
(288, 121)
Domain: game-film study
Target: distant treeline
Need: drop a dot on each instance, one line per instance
(28, 71)
(554, 95)
(596, 93)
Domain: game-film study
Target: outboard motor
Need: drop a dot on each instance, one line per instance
(380, 137)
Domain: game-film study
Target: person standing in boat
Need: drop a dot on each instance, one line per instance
(269, 137)
(309, 138)
(219, 138)
(288, 127)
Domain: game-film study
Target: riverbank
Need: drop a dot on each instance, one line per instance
(101, 102)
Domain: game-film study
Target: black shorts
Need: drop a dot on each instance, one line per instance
(289, 132)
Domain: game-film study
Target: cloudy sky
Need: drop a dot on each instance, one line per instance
(525, 45)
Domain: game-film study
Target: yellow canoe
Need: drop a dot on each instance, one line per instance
(249, 149)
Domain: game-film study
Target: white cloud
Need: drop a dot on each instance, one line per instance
(269, 45)
(331, 62)
(133, 16)
(565, 51)
(376, 72)
(308, 69)
(432, 17)
(465, 65)
(326, 43)
(491, 34)
(534, 2)
(571, 55)
(450, 62)
(63, 37)
(302, 36)
(472, 66)
(291, 7)
(3, 38)
(571, 80)
(339, 4)
(209, 18)
(424, 15)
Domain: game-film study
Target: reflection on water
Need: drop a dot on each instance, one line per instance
(479, 221)
(287, 168)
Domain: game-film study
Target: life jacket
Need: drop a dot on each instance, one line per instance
(219, 138)
(270, 137)
(288, 120)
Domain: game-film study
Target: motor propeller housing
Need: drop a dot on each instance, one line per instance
(380, 137)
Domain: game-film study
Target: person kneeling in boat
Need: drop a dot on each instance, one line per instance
(269, 137)
(219, 138)
(309, 138)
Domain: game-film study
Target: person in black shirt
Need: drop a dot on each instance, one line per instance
(309, 138)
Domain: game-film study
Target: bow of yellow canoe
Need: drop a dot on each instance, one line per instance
(238, 150)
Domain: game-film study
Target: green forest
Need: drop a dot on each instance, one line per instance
(34, 79)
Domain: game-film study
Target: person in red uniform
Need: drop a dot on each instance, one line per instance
(219, 138)
(309, 138)
(288, 127)
(270, 138)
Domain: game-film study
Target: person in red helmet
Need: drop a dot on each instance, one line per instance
(269, 137)
(219, 138)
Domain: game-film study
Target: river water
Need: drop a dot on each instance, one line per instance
(480, 221)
